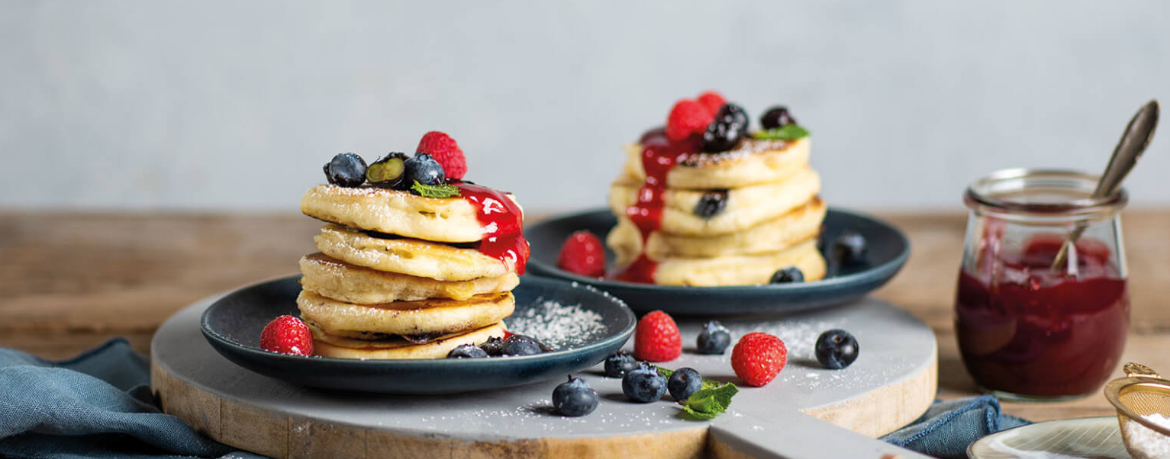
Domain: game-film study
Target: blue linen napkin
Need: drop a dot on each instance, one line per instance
(99, 405)
(95, 405)
(948, 427)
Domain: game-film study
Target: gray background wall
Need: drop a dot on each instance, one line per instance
(229, 105)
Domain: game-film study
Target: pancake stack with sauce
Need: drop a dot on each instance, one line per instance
(733, 216)
(402, 276)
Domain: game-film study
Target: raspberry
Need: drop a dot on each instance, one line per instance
(444, 149)
(582, 254)
(287, 335)
(686, 118)
(712, 100)
(758, 358)
(657, 338)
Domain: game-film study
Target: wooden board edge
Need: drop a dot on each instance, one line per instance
(889, 408)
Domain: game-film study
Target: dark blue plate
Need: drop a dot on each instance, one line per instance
(888, 251)
(233, 323)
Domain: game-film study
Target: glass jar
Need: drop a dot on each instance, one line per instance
(1030, 328)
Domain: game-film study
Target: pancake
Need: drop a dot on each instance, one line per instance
(739, 270)
(752, 163)
(433, 316)
(412, 257)
(395, 212)
(746, 207)
(336, 279)
(327, 345)
(794, 227)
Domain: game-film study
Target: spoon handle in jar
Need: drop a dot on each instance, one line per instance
(1137, 136)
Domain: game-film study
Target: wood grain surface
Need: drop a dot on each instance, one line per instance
(70, 281)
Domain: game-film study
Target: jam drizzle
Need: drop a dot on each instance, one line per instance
(502, 222)
(659, 156)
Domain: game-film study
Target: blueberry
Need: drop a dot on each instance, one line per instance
(619, 364)
(494, 346)
(728, 128)
(423, 168)
(522, 345)
(684, 382)
(574, 398)
(788, 275)
(466, 351)
(836, 349)
(714, 338)
(776, 117)
(346, 169)
(711, 203)
(389, 172)
(849, 249)
(644, 384)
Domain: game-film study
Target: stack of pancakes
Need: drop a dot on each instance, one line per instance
(398, 276)
(770, 218)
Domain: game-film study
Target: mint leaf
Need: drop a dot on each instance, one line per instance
(708, 403)
(435, 191)
(664, 372)
(785, 132)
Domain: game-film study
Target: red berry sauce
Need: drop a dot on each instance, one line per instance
(659, 156)
(1026, 329)
(502, 222)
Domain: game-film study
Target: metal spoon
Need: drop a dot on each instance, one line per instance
(1138, 134)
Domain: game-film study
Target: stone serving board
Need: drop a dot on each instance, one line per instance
(807, 412)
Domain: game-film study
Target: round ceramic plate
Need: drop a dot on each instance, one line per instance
(233, 323)
(1097, 438)
(888, 250)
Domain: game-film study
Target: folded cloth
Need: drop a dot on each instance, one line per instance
(949, 426)
(95, 405)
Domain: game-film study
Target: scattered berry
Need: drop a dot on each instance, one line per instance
(837, 349)
(729, 127)
(684, 382)
(644, 384)
(389, 172)
(619, 364)
(711, 203)
(522, 345)
(657, 338)
(444, 149)
(287, 335)
(758, 357)
(686, 118)
(467, 351)
(776, 117)
(714, 338)
(574, 398)
(423, 168)
(582, 254)
(788, 275)
(493, 347)
(346, 169)
(712, 100)
(849, 248)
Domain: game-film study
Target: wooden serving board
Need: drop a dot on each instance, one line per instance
(807, 412)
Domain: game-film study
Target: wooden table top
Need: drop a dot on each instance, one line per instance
(70, 281)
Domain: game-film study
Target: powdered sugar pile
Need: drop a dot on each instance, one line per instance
(1145, 443)
(557, 325)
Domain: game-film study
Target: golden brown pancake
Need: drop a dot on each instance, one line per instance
(433, 316)
(336, 279)
(738, 269)
(752, 163)
(395, 212)
(327, 345)
(412, 257)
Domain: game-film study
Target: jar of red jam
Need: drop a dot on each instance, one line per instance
(1029, 327)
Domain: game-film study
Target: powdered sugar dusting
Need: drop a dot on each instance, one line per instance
(556, 325)
(1145, 443)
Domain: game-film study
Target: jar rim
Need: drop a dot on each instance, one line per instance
(989, 192)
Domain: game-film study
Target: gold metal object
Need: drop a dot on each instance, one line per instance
(1141, 393)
